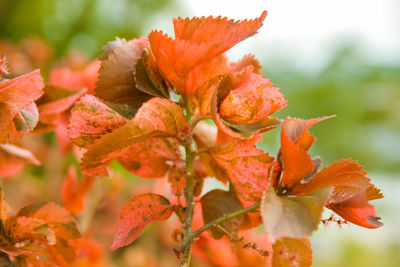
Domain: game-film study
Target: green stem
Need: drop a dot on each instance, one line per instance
(225, 218)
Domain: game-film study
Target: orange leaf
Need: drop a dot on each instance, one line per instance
(91, 119)
(18, 112)
(197, 40)
(205, 72)
(251, 98)
(346, 176)
(156, 118)
(221, 33)
(136, 214)
(250, 86)
(76, 79)
(358, 211)
(351, 191)
(295, 142)
(74, 191)
(290, 252)
(246, 166)
(13, 159)
(151, 158)
(41, 234)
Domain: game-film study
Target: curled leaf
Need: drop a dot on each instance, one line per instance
(116, 82)
(18, 112)
(241, 103)
(57, 99)
(13, 159)
(295, 142)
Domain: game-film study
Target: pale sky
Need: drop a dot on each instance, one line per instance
(307, 30)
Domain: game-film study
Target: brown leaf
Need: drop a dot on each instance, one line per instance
(147, 77)
(116, 82)
(217, 203)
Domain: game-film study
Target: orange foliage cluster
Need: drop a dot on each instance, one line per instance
(140, 104)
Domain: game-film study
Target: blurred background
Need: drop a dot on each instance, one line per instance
(328, 57)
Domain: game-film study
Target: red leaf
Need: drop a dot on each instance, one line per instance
(290, 252)
(23, 90)
(358, 211)
(246, 166)
(156, 118)
(3, 67)
(136, 214)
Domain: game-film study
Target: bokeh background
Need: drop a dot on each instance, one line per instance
(328, 57)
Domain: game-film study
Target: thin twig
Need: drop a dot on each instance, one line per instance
(245, 244)
(225, 218)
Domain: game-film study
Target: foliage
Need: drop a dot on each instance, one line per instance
(177, 109)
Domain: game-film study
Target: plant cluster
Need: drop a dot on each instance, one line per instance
(178, 109)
